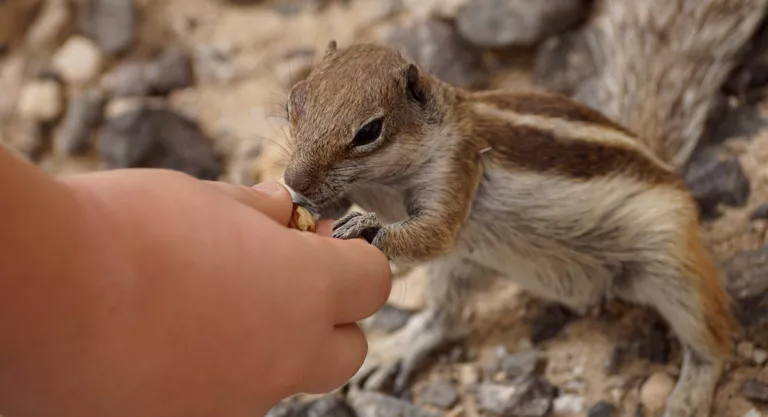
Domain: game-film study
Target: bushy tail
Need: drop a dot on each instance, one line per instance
(662, 63)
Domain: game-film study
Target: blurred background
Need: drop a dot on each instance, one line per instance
(200, 86)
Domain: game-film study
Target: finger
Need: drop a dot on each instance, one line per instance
(270, 198)
(361, 279)
(341, 359)
(325, 228)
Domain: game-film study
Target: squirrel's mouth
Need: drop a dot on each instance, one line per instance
(299, 199)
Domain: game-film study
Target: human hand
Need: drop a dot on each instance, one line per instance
(196, 299)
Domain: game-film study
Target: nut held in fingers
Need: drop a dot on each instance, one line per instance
(301, 219)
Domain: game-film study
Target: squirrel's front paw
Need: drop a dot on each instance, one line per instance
(355, 225)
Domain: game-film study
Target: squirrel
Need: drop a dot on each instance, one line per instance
(532, 186)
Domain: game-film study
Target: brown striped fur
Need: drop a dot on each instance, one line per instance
(531, 186)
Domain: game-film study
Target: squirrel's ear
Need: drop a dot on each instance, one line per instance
(330, 49)
(414, 85)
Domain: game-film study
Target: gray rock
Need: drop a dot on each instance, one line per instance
(83, 115)
(437, 47)
(602, 409)
(372, 404)
(170, 70)
(501, 23)
(760, 212)
(161, 138)
(565, 61)
(755, 390)
(110, 23)
(532, 397)
(521, 364)
(329, 406)
(715, 179)
(440, 394)
(390, 318)
(745, 274)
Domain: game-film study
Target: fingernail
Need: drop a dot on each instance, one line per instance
(269, 187)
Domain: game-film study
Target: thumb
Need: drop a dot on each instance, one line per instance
(268, 197)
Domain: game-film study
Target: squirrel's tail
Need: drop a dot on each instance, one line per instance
(662, 63)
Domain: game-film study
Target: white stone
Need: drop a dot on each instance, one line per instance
(40, 100)
(568, 404)
(79, 60)
(745, 349)
(753, 413)
(656, 390)
(760, 356)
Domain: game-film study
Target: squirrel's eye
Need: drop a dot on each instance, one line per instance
(368, 133)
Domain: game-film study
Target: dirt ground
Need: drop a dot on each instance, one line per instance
(246, 109)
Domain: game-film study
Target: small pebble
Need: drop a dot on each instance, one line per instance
(110, 23)
(390, 318)
(746, 350)
(656, 390)
(602, 409)
(440, 394)
(568, 404)
(760, 356)
(755, 390)
(40, 100)
(78, 60)
(753, 413)
(468, 374)
(83, 115)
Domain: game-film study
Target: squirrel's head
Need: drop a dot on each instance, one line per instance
(361, 115)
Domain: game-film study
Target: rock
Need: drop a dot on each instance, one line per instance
(714, 179)
(286, 408)
(753, 413)
(49, 24)
(328, 406)
(732, 120)
(390, 318)
(169, 71)
(745, 274)
(12, 73)
(83, 116)
(745, 350)
(565, 61)
(469, 374)
(602, 409)
(437, 47)
(760, 356)
(161, 138)
(521, 364)
(501, 23)
(568, 404)
(440, 394)
(530, 398)
(16, 16)
(127, 79)
(755, 390)
(441, 9)
(40, 100)
(372, 404)
(761, 212)
(656, 390)
(549, 322)
(78, 60)
(109, 23)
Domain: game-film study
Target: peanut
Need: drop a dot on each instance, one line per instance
(301, 219)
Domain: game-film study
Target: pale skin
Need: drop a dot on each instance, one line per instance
(148, 292)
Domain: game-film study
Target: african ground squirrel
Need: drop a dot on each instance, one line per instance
(532, 186)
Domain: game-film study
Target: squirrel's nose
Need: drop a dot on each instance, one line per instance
(298, 179)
